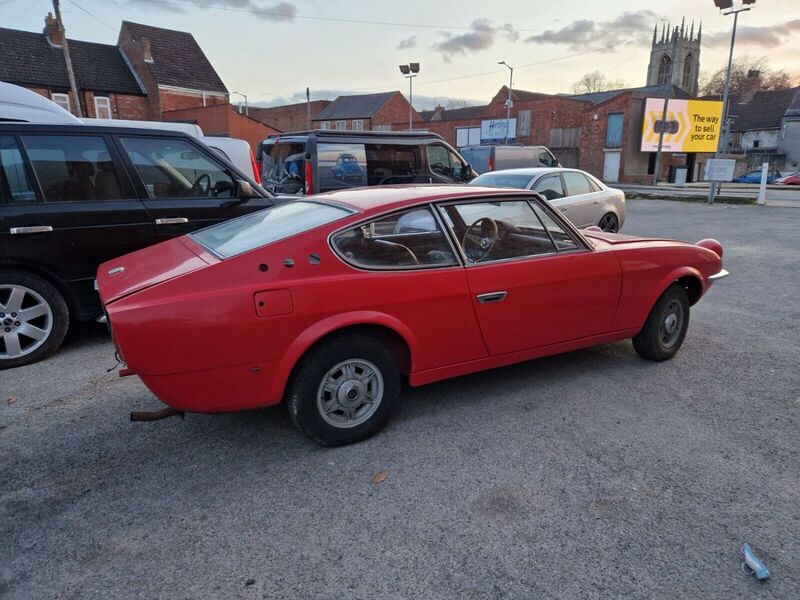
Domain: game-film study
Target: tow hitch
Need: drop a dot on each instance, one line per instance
(155, 415)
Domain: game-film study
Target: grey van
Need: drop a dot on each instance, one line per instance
(485, 158)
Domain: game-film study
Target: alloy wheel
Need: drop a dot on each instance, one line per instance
(26, 320)
(608, 222)
(350, 393)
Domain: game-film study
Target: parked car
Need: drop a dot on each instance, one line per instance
(486, 158)
(332, 302)
(73, 196)
(755, 177)
(584, 199)
(311, 162)
(793, 179)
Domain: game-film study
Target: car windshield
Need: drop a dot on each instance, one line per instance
(266, 226)
(502, 180)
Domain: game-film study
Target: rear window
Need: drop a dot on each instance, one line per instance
(502, 180)
(283, 167)
(266, 226)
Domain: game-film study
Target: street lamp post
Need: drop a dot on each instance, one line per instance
(246, 111)
(727, 7)
(410, 71)
(509, 102)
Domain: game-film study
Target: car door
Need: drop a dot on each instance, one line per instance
(582, 200)
(85, 210)
(183, 186)
(537, 284)
(444, 164)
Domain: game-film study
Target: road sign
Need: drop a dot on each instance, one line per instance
(690, 126)
(720, 169)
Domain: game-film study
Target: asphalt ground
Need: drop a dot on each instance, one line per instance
(593, 474)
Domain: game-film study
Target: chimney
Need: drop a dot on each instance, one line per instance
(437, 113)
(52, 31)
(751, 85)
(147, 54)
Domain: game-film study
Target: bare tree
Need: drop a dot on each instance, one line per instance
(713, 84)
(596, 82)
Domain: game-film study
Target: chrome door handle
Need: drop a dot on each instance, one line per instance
(172, 221)
(491, 297)
(33, 229)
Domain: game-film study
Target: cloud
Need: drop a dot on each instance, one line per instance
(481, 37)
(407, 43)
(277, 11)
(769, 36)
(628, 28)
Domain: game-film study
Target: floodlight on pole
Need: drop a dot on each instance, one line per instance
(727, 7)
(509, 101)
(410, 71)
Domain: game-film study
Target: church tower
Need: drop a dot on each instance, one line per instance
(685, 45)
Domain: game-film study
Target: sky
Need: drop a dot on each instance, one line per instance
(271, 50)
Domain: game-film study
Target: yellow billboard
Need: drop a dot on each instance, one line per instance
(690, 126)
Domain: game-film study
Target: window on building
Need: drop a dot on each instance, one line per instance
(73, 168)
(687, 71)
(102, 107)
(358, 125)
(325, 125)
(468, 136)
(664, 69)
(14, 183)
(614, 130)
(523, 123)
(174, 168)
(341, 125)
(62, 100)
(411, 239)
(382, 128)
(756, 143)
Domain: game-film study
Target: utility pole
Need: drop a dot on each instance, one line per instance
(509, 102)
(308, 107)
(666, 104)
(722, 141)
(73, 88)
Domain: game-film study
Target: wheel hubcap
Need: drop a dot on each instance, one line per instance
(671, 323)
(25, 321)
(608, 223)
(350, 393)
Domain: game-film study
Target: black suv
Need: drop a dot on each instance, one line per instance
(72, 197)
(310, 162)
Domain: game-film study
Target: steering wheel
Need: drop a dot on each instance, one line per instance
(197, 186)
(439, 168)
(480, 238)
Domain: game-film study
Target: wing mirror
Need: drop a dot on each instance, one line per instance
(245, 190)
(466, 173)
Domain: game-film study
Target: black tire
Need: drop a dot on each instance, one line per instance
(661, 338)
(609, 222)
(56, 322)
(305, 396)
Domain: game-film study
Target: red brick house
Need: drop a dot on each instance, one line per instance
(149, 71)
(289, 117)
(387, 111)
(107, 87)
(224, 120)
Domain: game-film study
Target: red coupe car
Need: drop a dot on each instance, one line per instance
(332, 303)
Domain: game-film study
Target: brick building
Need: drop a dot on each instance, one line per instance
(224, 120)
(107, 87)
(289, 117)
(386, 111)
(149, 71)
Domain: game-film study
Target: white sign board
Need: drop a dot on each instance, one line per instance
(495, 129)
(720, 169)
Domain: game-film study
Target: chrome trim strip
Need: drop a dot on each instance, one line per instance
(32, 229)
(172, 221)
(722, 273)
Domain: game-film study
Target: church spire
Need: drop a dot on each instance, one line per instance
(691, 32)
(655, 34)
(700, 32)
(683, 26)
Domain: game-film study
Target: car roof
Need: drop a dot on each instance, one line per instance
(379, 199)
(95, 129)
(530, 171)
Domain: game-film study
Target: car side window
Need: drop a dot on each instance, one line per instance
(562, 239)
(439, 160)
(14, 184)
(341, 165)
(576, 183)
(175, 168)
(410, 239)
(550, 187)
(73, 168)
(545, 158)
(500, 230)
(389, 163)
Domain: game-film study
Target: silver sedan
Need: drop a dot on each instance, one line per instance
(582, 198)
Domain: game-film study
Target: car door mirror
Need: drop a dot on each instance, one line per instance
(466, 172)
(245, 190)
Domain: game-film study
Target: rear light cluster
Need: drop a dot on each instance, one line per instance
(309, 186)
(491, 162)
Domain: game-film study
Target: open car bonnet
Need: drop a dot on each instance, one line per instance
(144, 268)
